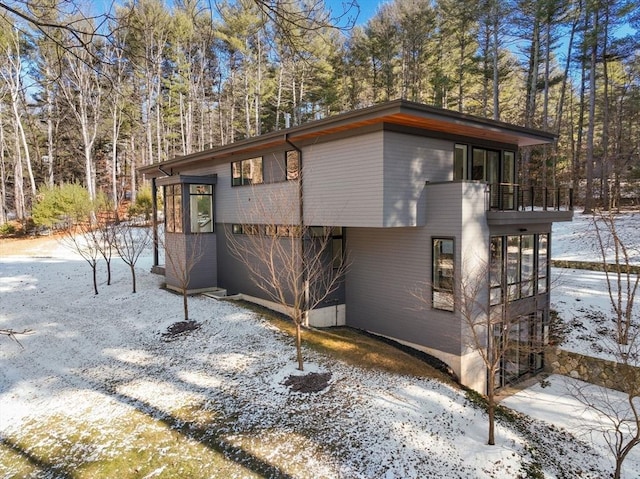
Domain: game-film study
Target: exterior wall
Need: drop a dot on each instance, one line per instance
(409, 162)
(180, 251)
(343, 181)
(386, 267)
(373, 180)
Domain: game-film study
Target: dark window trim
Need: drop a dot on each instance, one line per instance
(445, 291)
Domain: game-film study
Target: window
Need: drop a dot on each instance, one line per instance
(519, 266)
(513, 268)
(247, 172)
(442, 272)
(173, 208)
(543, 263)
(238, 229)
(527, 265)
(495, 270)
(460, 162)
(292, 161)
(201, 207)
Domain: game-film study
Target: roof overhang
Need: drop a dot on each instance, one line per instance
(399, 112)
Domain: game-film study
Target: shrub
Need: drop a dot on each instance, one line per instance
(66, 203)
(143, 204)
(10, 228)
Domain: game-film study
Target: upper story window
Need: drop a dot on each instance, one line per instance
(247, 172)
(442, 273)
(292, 164)
(173, 208)
(492, 166)
(201, 207)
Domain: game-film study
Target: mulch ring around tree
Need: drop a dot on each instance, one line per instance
(308, 383)
(179, 329)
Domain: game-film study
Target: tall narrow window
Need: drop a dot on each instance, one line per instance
(460, 162)
(292, 160)
(527, 271)
(442, 272)
(173, 208)
(201, 205)
(478, 164)
(543, 263)
(496, 268)
(513, 268)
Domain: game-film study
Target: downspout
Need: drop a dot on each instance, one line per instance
(154, 206)
(154, 212)
(301, 225)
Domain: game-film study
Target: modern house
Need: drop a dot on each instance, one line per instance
(419, 198)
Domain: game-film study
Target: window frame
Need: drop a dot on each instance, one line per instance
(195, 198)
(173, 208)
(242, 171)
(442, 298)
(292, 158)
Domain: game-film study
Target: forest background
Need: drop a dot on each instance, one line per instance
(88, 96)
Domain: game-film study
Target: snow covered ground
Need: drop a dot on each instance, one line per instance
(93, 360)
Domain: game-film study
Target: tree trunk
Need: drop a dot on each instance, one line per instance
(588, 200)
(94, 267)
(185, 303)
(299, 343)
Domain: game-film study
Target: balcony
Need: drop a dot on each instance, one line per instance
(512, 204)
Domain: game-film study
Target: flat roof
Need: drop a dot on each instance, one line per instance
(398, 112)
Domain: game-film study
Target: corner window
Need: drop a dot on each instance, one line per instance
(173, 208)
(442, 272)
(201, 206)
(292, 163)
(247, 172)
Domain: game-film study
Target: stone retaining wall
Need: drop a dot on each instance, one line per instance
(592, 370)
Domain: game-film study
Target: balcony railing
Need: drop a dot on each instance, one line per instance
(512, 197)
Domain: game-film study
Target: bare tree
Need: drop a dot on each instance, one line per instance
(622, 281)
(292, 264)
(490, 330)
(130, 243)
(85, 239)
(180, 262)
(618, 412)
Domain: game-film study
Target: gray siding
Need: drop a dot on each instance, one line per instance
(386, 267)
(181, 253)
(409, 162)
(343, 181)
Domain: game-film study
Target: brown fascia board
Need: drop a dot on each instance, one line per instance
(400, 112)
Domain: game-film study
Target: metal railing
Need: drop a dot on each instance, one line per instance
(513, 197)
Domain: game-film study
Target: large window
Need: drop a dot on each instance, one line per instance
(492, 166)
(173, 208)
(247, 172)
(518, 266)
(443, 269)
(201, 205)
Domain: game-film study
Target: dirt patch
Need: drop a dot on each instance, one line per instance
(309, 383)
(179, 329)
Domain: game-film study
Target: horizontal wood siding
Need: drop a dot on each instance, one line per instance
(409, 162)
(268, 203)
(343, 181)
(192, 257)
(386, 267)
